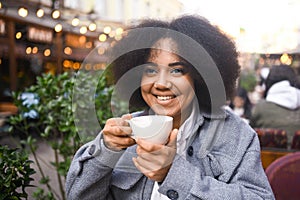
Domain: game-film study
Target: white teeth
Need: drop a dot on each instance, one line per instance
(164, 98)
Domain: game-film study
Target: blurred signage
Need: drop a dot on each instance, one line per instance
(2, 27)
(40, 35)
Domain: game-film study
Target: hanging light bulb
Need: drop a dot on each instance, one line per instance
(92, 26)
(75, 21)
(119, 31)
(40, 12)
(83, 30)
(58, 28)
(47, 52)
(102, 37)
(23, 11)
(68, 50)
(28, 50)
(18, 35)
(55, 14)
(35, 50)
(107, 29)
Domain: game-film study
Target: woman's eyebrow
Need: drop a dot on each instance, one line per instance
(178, 63)
(170, 64)
(151, 63)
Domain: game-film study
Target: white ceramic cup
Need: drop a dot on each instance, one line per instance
(152, 128)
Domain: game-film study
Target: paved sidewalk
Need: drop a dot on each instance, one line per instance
(45, 155)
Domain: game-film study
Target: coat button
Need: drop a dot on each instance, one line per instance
(172, 194)
(190, 151)
(92, 149)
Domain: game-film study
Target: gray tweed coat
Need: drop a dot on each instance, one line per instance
(222, 161)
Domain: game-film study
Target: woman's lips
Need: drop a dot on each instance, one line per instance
(164, 98)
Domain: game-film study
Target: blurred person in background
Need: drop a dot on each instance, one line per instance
(280, 107)
(258, 91)
(211, 153)
(241, 104)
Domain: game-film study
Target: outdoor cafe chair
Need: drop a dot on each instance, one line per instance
(284, 176)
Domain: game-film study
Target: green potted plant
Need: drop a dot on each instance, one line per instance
(46, 111)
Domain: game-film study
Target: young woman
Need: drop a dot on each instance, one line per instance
(186, 69)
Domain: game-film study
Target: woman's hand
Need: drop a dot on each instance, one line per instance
(116, 133)
(155, 160)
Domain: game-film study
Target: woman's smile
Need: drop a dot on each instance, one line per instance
(165, 99)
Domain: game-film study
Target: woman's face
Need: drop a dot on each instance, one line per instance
(166, 85)
(238, 102)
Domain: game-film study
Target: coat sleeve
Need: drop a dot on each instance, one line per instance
(239, 177)
(90, 172)
(255, 115)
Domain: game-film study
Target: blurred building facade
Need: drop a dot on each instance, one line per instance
(127, 10)
(35, 38)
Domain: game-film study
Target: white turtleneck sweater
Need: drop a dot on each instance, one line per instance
(185, 132)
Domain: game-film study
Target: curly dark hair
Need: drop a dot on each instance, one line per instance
(199, 43)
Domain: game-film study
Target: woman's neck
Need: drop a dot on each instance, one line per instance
(179, 119)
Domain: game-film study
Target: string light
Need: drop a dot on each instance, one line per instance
(286, 59)
(68, 51)
(75, 21)
(40, 12)
(18, 35)
(58, 28)
(102, 37)
(67, 63)
(88, 66)
(119, 31)
(35, 50)
(101, 50)
(55, 14)
(92, 26)
(28, 50)
(47, 52)
(107, 29)
(83, 30)
(89, 45)
(23, 12)
(76, 65)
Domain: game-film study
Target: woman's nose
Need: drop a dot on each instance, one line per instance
(162, 82)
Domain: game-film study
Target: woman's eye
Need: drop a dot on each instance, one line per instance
(177, 71)
(150, 71)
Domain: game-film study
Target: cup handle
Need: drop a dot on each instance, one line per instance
(129, 122)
